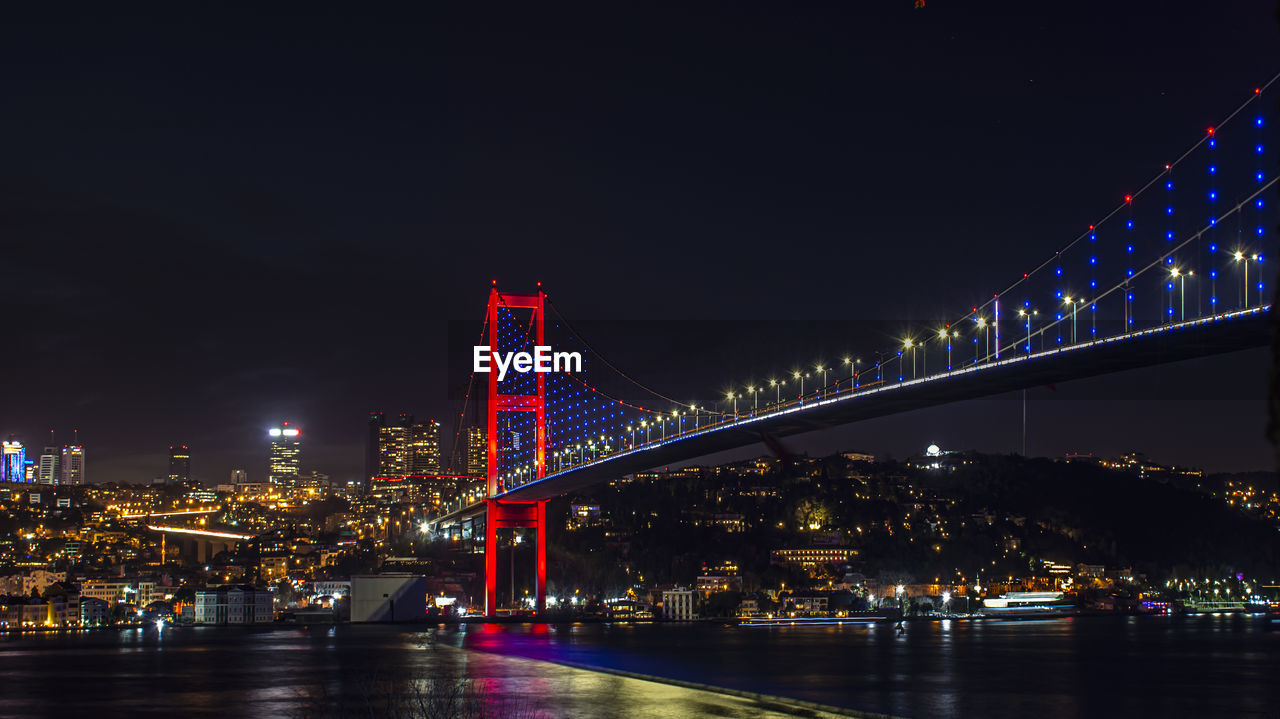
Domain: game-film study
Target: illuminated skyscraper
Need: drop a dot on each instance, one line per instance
(71, 465)
(407, 447)
(179, 463)
(47, 472)
(393, 451)
(477, 452)
(424, 448)
(286, 454)
(14, 457)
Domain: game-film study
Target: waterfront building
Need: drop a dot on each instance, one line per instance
(677, 604)
(94, 612)
(810, 602)
(234, 604)
(332, 589)
(140, 593)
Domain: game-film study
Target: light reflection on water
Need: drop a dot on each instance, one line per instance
(1210, 666)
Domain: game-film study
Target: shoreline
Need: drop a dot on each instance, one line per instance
(735, 622)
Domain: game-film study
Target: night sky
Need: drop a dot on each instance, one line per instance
(212, 223)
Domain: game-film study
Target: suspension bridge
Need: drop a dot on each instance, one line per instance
(1173, 271)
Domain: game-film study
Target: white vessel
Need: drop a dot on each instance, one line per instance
(1028, 604)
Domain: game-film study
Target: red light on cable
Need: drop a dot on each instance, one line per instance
(1128, 199)
(1211, 132)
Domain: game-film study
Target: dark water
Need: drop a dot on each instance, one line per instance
(1203, 666)
(1087, 666)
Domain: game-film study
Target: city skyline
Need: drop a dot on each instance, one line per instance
(666, 360)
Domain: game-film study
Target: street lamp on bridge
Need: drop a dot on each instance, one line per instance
(1241, 257)
(853, 373)
(1181, 277)
(1073, 303)
(1028, 313)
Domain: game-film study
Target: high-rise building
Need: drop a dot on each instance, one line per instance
(408, 447)
(393, 451)
(238, 476)
(424, 448)
(14, 457)
(47, 472)
(285, 455)
(71, 465)
(377, 420)
(179, 463)
(477, 452)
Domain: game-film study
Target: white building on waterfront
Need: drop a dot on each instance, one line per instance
(238, 604)
(677, 604)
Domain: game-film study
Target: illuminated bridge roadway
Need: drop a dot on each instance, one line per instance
(199, 543)
(1227, 332)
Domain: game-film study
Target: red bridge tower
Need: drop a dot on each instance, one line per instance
(500, 513)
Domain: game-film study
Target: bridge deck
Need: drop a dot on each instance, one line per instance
(1170, 343)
